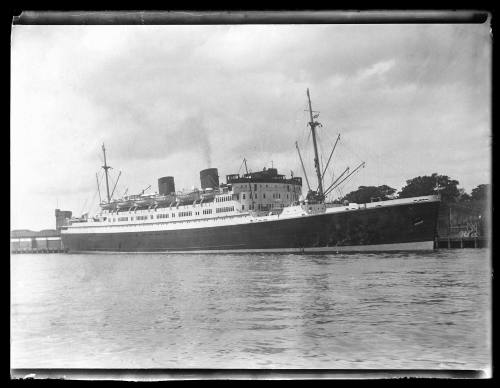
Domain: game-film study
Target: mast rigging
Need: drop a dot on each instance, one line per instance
(356, 169)
(142, 192)
(98, 189)
(331, 187)
(303, 169)
(113, 191)
(331, 154)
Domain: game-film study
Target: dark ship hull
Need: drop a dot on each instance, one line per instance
(410, 226)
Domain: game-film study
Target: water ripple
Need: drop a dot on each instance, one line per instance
(346, 310)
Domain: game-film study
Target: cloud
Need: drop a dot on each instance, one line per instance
(172, 100)
(376, 69)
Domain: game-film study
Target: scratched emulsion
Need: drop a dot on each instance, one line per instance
(398, 310)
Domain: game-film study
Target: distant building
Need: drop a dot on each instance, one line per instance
(62, 218)
(43, 241)
(24, 233)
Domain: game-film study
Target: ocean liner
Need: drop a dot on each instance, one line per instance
(261, 211)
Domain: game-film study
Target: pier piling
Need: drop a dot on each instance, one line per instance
(459, 242)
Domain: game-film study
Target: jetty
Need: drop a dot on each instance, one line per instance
(460, 242)
(463, 225)
(28, 241)
(44, 241)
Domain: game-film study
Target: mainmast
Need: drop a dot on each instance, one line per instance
(313, 124)
(106, 168)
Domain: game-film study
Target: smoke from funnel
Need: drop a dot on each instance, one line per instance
(197, 127)
(206, 148)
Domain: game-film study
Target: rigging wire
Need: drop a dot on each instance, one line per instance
(346, 145)
(241, 165)
(353, 178)
(331, 179)
(378, 163)
(307, 133)
(111, 181)
(84, 206)
(332, 174)
(92, 202)
(100, 177)
(340, 192)
(303, 141)
(321, 153)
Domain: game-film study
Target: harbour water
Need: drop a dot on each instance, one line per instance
(393, 310)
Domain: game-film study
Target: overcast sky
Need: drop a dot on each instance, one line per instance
(408, 100)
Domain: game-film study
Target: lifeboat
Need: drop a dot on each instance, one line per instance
(125, 204)
(164, 199)
(208, 195)
(109, 206)
(144, 201)
(187, 198)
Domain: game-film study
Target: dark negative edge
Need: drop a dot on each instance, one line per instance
(207, 373)
(186, 17)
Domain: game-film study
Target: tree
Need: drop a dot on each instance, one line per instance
(480, 192)
(386, 192)
(428, 185)
(463, 196)
(364, 194)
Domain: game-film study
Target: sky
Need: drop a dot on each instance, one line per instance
(408, 100)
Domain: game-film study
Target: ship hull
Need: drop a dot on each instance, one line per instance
(403, 227)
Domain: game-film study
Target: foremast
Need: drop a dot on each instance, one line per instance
(106, 168)
(319, 195)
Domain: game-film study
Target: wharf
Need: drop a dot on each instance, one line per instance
(36, 250)
(27, 241)
(453, 242)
